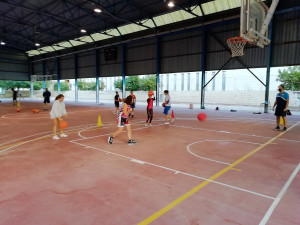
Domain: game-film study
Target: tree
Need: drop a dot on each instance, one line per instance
(290, 78)
(8, 84)
(134, 83)
(148, 83)
(64, 86)
(118, 84)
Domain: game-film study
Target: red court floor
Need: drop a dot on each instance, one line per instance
(231, 169)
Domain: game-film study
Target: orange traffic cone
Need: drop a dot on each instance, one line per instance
(172, 114)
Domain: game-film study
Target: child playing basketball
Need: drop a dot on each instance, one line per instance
(123, 121)
(132, 105)
(167, 107)
(149, 109)
(58, 110)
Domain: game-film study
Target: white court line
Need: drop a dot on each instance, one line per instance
(73, 128)
(173, 170)
(233, 133)
(85, 138)
(199, 156)
(266, 218)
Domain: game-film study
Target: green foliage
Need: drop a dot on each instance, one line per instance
(101, 85)
(8, 84)
(290, 78)
(118, 84)
(134, 83)
(148, 83)
(64, 86)
(91, 86)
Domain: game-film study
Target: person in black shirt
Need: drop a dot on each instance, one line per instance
(117, 103)
(281, 103)
(15, 94)
(46, 96)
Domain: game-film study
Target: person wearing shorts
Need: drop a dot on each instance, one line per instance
(281, 103)
(123, 121)
(132, 104)
(117, 103)
(149, 109)
(46, 96)
(15, 94)
(167, 107)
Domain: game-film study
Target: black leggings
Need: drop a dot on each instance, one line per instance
(150, 115)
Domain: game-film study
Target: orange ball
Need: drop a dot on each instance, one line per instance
(63, 124)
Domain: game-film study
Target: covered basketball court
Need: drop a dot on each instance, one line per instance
(232, 168)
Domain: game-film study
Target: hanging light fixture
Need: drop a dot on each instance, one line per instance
(82, 30)
(37, 44)
(2, 43)
(97, 10)
(171, 4)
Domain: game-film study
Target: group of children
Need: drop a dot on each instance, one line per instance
(127, 111)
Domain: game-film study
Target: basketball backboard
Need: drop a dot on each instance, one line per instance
(253, 15)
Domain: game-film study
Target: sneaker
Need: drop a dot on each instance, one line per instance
(284, 129)
(172, 120)
(146, 124)
(277, 128)
(150, 125)
(167, 123)
(131, 142)
(55, 137)
(63, 135)
(110, 140)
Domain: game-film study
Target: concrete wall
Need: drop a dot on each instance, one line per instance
(246, 98)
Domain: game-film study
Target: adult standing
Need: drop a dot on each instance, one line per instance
(15, 95)
(57, 112)
(46, 96)
(281, 103)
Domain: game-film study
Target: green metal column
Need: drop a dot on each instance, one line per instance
(269, 58)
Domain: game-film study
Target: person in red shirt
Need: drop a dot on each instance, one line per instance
(150, 108)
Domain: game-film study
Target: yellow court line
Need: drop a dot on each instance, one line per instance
(204, 183)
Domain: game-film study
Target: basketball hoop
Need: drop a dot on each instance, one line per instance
(237, 44)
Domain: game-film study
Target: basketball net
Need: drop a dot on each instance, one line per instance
(237, 44)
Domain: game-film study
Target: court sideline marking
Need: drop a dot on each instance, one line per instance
(171, 205)
(268, 214)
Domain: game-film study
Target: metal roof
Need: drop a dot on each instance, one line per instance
(56, 24)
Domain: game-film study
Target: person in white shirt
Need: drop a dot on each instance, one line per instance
(57, 111)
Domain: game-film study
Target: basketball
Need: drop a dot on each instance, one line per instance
(18, 110)
(63, 124)
(201, 116)
(150, 92)
(164, 104)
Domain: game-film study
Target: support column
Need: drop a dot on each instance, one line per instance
(44, 73)
(31, 82)
(97, 74)
(76, 76)
(203, 65)
(123, 71)
(158, 59)
(58, 74)
(269, 58)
